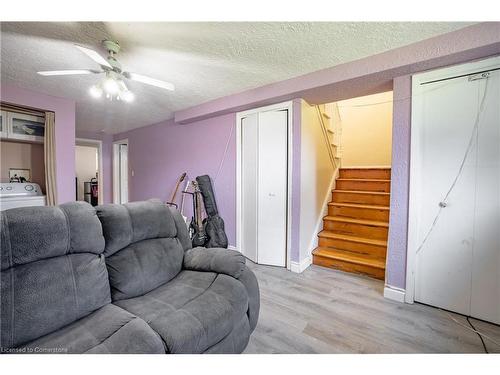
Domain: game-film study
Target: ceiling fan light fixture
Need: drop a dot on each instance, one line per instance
(111, 86)
(127, 96)
(95, 91)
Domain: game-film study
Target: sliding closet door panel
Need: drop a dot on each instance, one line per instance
(272, 191)
(485, 302)
(249, 183)
(443, 264)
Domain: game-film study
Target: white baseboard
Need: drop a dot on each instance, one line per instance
(299, 267)
(231, 247)
(394, 294)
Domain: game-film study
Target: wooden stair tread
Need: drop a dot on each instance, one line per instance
(354, 235)
(365, 168)
(356, 205)
(360, 192)
(363, 179)
(347, 256)
(346, 237)
(343, 219)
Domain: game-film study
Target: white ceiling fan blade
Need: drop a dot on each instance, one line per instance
(94, 56)
(66, 72)
(151, 81)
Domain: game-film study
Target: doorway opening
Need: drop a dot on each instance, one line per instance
(355, 228)
(88, 169)
(120, 171)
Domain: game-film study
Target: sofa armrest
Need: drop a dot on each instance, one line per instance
(248, 279)
(218, 260)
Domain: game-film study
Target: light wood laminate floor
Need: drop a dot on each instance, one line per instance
(329, 311)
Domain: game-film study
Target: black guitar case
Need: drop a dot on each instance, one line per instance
(214, 225)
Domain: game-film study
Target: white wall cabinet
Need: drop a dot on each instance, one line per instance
(23, 127)
(3, 124)
(458, 266)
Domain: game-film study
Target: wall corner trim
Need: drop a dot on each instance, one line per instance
(395, 294)
(299, 267)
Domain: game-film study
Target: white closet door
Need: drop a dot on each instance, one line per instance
(272, 187)
(485, 303)
(249, 184)
(123, 173)
(443, 265)
(458, 267)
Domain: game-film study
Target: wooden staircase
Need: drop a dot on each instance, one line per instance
(354, 235)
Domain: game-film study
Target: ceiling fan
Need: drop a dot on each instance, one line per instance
(113, 85)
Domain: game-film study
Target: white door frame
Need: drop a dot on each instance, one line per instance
(116, 170)
(239, 116)
(100, 178)
(415, 170)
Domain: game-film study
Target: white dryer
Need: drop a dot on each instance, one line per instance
(15, 194)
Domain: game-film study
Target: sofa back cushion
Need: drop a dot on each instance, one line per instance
(52, 269)
(142, 248)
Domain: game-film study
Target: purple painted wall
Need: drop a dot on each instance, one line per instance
(65, 132)
(107, 161)
(400, 183)
(160, 153)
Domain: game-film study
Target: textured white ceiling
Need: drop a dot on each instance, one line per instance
(203, 60)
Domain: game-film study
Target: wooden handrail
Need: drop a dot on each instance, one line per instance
(327, 140)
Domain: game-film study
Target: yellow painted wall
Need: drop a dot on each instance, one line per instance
(316, 177)
(366, 130)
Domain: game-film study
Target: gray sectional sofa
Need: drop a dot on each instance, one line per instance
(119, 279)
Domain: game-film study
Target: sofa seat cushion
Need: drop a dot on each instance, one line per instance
(107, 330)
(194, 311)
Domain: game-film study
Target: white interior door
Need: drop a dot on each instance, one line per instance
(123, 173)
(272, 190)
(485, 289)
(120, 171)
(249, 184)
(264, 164)
(457, 259)
(443, 265)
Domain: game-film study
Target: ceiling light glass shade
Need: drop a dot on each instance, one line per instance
(111, 86)
(127, 96)
(95, 91)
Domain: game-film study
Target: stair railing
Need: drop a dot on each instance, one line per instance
(329, 147)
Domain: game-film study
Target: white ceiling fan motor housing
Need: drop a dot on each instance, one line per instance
(113, 48)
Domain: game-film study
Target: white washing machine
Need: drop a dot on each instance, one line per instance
(16, 194)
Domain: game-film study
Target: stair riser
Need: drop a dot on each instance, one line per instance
(355, 247)
(355, 229)
(382, 186)
(382, 174)
(349, 267)
(359, 213)
(374, 199)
